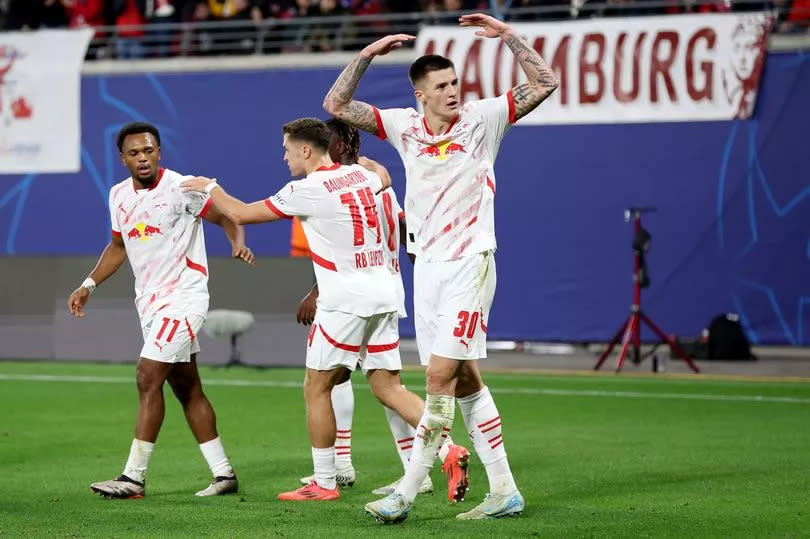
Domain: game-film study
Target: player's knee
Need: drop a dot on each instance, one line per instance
(315, 387)
(185, 390)
(468, 382)
(437, 381)
(147, 380)
(384, 389)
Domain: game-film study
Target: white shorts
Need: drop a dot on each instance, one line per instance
(171, 337)
(451, 303)
(339, 339)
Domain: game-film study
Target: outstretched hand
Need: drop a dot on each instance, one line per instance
(386, 44)
(491, 27)
(197, 183)
(243, 252)
(77, 300)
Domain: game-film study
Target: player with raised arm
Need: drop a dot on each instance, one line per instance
(449, 152)
(345, 149)
(157, 227)
(356, 320)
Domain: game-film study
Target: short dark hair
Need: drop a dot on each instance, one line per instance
(135, 128)
(310, 130)
(425, 64)
(347, 133)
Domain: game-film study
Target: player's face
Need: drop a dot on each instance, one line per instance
(438, 93)
(295, 156)
(336, 148)
(140, 153)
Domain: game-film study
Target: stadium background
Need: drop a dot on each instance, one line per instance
(730, 233)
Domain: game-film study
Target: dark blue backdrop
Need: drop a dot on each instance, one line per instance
(732, 231)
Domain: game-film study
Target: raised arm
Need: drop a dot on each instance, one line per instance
(108, 263)
(233, 208)
(541, 78)
(339, 103)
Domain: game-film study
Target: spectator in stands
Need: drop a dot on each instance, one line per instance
(129, 16)
(196, 40)
(33, 14)
(794, 15)
(241, 39)
(160, 12)
(323, 35)
(88, 13)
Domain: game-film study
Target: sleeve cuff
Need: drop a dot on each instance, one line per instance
(380, 127)
(116, 233)
(510, 101)
(206, 207)
(275, 210)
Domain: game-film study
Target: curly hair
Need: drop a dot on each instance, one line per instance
(346, 133)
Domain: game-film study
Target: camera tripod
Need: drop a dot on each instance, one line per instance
(630, 330)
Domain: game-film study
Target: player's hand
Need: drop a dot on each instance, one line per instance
(197, 183)
(377, 169)
(243, 252)
(491, 27)
(77, 300)
(306, 309)
(386, 44)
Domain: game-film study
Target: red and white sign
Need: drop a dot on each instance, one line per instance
(40, 125)
(637, 69)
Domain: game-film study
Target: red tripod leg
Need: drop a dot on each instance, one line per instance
(632, 328)
(611, 344)
(673, 345)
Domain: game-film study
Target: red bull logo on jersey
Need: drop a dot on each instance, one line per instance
(143, 232)
(442, 150)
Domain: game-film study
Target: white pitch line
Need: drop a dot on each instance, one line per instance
(504, 390)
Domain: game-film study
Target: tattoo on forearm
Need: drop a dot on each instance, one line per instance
(342, 91)
(535, 67)
(542, 80)
(361, 116)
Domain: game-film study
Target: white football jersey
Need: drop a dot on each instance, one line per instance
(390, 213)
(450, 187)
(338, 212)
(164, 240)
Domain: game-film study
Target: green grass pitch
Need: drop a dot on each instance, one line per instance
(601, 456)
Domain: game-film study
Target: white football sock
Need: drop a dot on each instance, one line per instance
(323, 461)
(139, 454)
(214, 455)
(343, 405)
(484, 425)
(433, 429)
(403, 435)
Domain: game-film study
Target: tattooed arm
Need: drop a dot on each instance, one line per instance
(339, 103)
(541, 78)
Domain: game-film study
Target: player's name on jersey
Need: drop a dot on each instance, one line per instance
(342, 182)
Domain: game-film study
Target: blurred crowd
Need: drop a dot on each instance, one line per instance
(126, 19)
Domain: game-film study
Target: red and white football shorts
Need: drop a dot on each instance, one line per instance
(339, 339)
(452, 300)
(171, 337)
